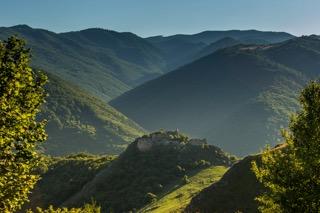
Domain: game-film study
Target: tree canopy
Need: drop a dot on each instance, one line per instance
(21, 95)
(291, 173)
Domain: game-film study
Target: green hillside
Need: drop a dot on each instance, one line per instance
(179, 198)
(64, 176)
(80, 122)
(235, 191)
(151, 166)
(238, 97)
(104, 62)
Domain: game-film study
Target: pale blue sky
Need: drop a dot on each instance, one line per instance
(154, 17)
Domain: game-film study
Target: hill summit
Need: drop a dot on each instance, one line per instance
(151, 166)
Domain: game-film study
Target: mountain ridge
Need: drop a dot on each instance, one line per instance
(219, 34)
(189, 46)
(106, 63)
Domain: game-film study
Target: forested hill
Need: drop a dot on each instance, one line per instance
(104, 62)
(237, 97)
(151, 167)
(235, 191)
(80, 122)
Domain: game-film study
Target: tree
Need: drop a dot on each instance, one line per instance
(87, 208)
(291, 173)
(21, 95)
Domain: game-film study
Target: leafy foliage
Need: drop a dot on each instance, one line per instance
(88, 208)
(291, 174)
(62, 177)
(21, 95)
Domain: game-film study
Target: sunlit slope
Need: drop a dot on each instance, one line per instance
(177, 199)
(235, 191)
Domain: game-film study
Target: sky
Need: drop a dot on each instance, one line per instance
(164, 17)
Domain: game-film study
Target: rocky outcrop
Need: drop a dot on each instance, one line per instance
(146, 142)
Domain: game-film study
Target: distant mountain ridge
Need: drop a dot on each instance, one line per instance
(209, 37)
(181, 49)
(104, 62)
(238, 97)
(108, 63)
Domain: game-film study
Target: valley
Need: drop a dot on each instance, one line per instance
(174, 123)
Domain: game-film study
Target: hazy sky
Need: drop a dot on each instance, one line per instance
(154, 17)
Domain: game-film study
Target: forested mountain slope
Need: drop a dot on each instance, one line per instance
(235, 191)
(108, 63)
(104, 62)
(80, 122)
(237, 97)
